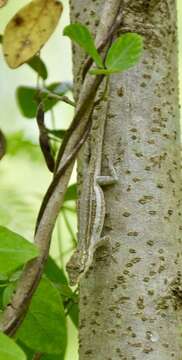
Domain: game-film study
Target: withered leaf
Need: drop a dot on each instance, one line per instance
(2, 145)
(3, 3)
(29, 30)
(44, 140)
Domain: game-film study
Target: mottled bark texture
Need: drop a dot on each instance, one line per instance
(130, 307)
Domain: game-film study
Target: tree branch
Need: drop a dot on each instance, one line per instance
(16, 310)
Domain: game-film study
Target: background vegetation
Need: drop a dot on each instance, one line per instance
(24, 176)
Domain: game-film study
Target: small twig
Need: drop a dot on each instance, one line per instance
(53, 120)
(59, 97)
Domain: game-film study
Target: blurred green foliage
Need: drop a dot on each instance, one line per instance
(24, 176)
(23, 173)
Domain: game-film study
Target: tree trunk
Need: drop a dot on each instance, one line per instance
(130, 307)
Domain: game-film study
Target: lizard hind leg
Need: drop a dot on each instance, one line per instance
(105, 244)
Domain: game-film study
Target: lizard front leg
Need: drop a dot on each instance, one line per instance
(106, 180)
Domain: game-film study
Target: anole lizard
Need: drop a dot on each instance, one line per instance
(82, 258)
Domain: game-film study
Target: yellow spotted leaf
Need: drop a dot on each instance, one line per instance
(29, 30)
(3, 3)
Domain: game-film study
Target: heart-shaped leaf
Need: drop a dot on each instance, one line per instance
(124, 53)
(29, 30)
(44, 328)
(82, 36)
(9, 350)
(57, 276)
(14, 250)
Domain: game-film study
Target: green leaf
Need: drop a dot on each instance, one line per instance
(71, 193)
(52, 357)
(27, 101)
(27, 98)
(3, 278)
(17, 144)
(14, 250)
(44, 328)
(57, 276)
(82, 36)
(29, 352)
(65, 291)
(57, 133)
(54, 273)
(124, 53)
(10, 287)
(7, 294)
(9, 350)
(73, 313)
(15, 276)
(38, 65)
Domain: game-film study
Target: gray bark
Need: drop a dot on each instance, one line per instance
(130, 307)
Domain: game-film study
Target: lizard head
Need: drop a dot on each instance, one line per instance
(74, 268)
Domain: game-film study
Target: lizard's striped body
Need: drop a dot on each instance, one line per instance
(92, 238)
